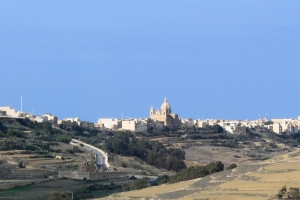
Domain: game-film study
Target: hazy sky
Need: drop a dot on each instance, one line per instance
(211, 59)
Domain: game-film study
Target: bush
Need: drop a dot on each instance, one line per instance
(281, 192)
(76, 149)
(70, 151)
(236, 156)
(132, 178)
(63, 138)
(21, 165)
(232, 166)
(123, 164)
(294, 193)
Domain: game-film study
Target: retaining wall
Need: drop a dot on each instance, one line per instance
(90, 175)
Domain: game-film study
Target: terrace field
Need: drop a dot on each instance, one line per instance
(259, 180)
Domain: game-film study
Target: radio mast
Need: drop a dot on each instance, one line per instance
(21, 104)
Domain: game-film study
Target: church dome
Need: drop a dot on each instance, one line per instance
(166, 106)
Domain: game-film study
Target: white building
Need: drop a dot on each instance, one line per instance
(135, 125)
(76, 120)
(50, 118)
(40, 119)
(229, 128)
(111, 123)
(187, 122)
(201, 123)
(287, 126)
(10, 112)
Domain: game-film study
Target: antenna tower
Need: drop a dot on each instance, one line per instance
(21, 103)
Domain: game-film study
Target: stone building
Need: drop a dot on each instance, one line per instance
(165, 115)
(135, 125)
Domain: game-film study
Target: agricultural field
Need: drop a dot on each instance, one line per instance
(44, 190)
(206, 154)
(37, 169)
(259, 180)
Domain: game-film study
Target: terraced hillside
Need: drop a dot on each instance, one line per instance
(255, 181)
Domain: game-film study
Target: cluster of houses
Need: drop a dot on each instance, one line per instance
(138, 125)
(163, 118)
(280, 126)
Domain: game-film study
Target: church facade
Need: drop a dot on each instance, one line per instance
(165, 115)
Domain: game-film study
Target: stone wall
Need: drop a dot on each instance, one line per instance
(90, 175)
(74, 175)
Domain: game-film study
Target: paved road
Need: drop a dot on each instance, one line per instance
(100, 156)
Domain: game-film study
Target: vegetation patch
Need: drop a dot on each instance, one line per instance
(18, 189)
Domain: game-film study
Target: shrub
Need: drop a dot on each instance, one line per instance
(21, 165)
(294, 193)
(232, 166)
(76, 149)
(63, 138)
(132, 178)
(123, 164)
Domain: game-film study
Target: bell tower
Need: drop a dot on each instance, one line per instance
(152, 111)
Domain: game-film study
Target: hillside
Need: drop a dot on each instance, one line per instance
(259, 180)
(146, 153)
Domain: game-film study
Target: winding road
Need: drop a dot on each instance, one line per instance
(100, 156)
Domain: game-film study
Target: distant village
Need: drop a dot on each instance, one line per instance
(160, 118)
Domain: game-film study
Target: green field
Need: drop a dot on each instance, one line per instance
(17, 190)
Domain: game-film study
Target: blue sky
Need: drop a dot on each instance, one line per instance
(92, 59)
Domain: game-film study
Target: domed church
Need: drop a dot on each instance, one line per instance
(165, 115)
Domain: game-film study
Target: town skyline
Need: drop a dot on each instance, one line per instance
(134, 117)
(159, 119)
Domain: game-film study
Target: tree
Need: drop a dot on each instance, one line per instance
(154, 153)
(11, 132)
(281, 192)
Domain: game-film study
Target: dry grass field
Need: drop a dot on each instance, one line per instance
(157, 190)
(260, 180)
(283, 166)
(206, 154)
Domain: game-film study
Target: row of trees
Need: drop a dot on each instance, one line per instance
(194, 172)
(154, 153)
(184, 175)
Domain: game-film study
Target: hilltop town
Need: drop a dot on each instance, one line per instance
(160, 118)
